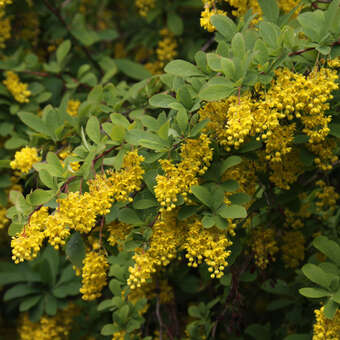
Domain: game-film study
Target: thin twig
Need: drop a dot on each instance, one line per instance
(159, 318)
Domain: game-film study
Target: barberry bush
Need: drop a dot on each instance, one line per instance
(169, 169)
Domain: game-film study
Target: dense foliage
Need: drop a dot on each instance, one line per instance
(169, 169)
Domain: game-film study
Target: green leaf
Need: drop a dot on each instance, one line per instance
(336, 297)
(108, 329)
(224, 25)
(334, 129)
(330, 309)
(15, 228)
(175, 23)
(18, 291)
(297, 337)
(93, 129)
(239, 198)
(184, 96)
(317, 275)
(215, 92)
(182, 68)
(35, 123)
(132, 69)
(39, 196)
(75, 249)
(328, 247)
(270, 9)
(50, 304)
(238, 45)
(230, 162)
(129, 216)
(144, 204)
(208, 221)
(270, 33)
(314, 292)
(203, 195)
(258, 332)
(198, 127)
(230, 185)
(182, 119)
(28, 303)
(232, 211)
(161, 100)
(70, 288)
(62, 51)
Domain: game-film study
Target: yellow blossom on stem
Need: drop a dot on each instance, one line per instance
(24, 159)
(26, 244)
(264, 246)
(324, 328)
(293, 248)
(18, 89)
(144, 6)
(5, 28)
(208, 245)
(94, 276)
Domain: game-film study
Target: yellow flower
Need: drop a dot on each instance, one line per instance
(24, 159)
(324, 328)
(72, 107)
(93, 275)
(16, 88)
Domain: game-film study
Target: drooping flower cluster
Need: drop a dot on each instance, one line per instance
(264, 246)
(26, 244)
(166, 51)
(324, 328)
(178, 178)
(165, 240)
(324, 152)
(18, 89)
(293, 248)
(94, 276)
(208, 245)
(79, 211)
(57, 327)
(207, 13)
(24, 159)
(118, 231)
(326, 198)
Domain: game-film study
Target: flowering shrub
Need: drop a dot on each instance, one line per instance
(169, 169)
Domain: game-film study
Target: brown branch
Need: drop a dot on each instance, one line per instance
(310, 49)
(58, 15)
(159, 318)
(102, 155)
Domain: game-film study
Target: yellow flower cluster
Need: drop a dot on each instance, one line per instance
(278, 141)
(327, 198)
(166, 49)
(206, 15)
(29, 27)
(324, 151)
(26, 244)
(79, 211)
(72, 107)
(324, 328)
(264, 246)
(5, 28)
(208, 245)
(57, 327)
(93, 275)
(118, 231)
(178, 178)
(144, 6)
(3, 219)
(294, 219)
(165, 240)
(286, 172)
(334, 63)
(18, 89)
(24, 159)
(293, 248)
